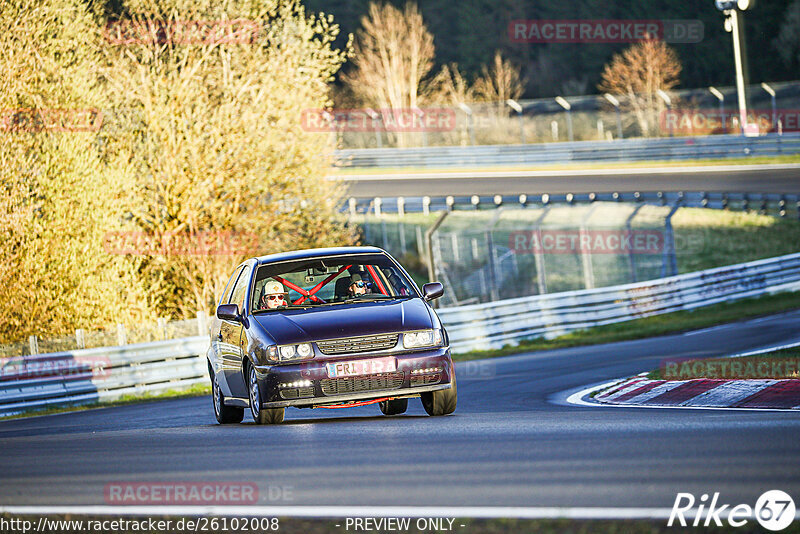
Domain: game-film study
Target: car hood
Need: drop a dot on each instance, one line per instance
(345, 320)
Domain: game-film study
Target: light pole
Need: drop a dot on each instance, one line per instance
(466, 109)
(567, 106)
(771, 92)
(716, 92)
(375, 117)
(731, 9)
(668, 101)
(614, 102)
(513, 104)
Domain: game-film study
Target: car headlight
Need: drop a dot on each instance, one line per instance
(301, 351)
(422, 338)
(264, 354)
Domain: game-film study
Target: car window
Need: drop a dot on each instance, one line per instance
(241, 289)
(229, 288)
(329, 278)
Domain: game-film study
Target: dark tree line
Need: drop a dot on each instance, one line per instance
(469, 32)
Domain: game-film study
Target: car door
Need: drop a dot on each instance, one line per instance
(231, 332)
(217, 347)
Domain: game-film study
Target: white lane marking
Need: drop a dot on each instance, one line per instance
(770, 348)
(560, 172)
(488, 512)
(538, 512)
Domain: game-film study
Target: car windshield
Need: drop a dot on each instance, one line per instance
(329, 281)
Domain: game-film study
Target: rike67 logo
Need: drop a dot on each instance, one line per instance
(774, 510)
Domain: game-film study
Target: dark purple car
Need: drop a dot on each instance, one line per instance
(336, 327)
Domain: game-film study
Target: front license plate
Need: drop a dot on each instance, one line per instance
(361, 367)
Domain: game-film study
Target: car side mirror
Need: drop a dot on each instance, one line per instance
(229, 312)
(432, 290)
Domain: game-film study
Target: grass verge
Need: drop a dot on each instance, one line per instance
(668, 323)
(194, 391)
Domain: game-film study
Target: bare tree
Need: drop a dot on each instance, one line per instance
(639, 73)
(499, 82)
(393, 52)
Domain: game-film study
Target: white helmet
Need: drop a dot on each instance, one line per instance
(274, 288)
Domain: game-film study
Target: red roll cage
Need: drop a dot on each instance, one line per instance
(311, 293)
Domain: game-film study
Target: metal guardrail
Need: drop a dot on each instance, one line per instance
(108, 373)
(780, 204)
(100, 374)
(644, 149)
(492, 325)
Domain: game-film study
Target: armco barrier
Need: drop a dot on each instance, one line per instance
(492, 325)
(660, 149)
(108, 373)
(101, 374)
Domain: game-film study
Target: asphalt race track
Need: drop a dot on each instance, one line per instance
(513, 441)
(740, 179)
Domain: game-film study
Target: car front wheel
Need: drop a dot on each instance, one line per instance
(262, 416)
(442, 402)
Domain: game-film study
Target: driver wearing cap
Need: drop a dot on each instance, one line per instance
(274, 296)
(357, 286)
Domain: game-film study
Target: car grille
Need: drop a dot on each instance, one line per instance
(297, 393)
(350, 345)
(340, 386)
(423, 380)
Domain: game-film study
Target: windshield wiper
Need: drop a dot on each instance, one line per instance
(287, 307)
(370, 298)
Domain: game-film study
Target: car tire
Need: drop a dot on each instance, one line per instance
(442, 402)
(262, 416)
(225, 415)
(393, 406)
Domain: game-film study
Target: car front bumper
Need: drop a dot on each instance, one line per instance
(326, 390)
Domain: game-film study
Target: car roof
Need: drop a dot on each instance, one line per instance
(316, 253)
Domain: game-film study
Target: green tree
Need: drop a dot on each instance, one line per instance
(55, 202)
(212, 141)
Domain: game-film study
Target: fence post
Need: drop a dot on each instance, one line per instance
(33, 342)
(202, 323)
(122, 335)
(586, 256)
(629, 228)
(669, 262)
(402, 232)
(80, 338)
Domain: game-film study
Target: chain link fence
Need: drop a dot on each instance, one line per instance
(691, 112)
(484, 256)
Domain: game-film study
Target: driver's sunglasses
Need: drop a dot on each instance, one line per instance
(275, 297)
(359, 284)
